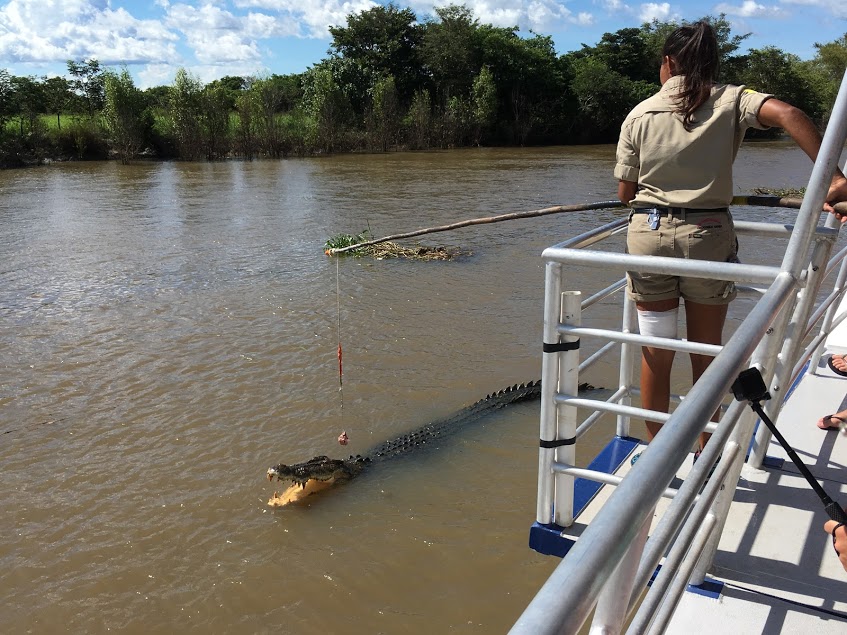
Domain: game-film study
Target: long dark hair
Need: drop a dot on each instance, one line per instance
(694, 49)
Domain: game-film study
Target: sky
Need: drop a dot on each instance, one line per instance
(215, 38)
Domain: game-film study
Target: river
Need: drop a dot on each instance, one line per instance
(169, 331)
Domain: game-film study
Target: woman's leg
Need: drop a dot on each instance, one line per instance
(705, 324)
(656, 366)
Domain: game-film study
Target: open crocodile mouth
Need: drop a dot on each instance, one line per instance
(296, 493)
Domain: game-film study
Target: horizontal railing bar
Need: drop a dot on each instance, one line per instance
(596, 356)
(758, 228)
(599, 477)
(591, 419)
(684, 346)
(595, 235)
(603, 294)
(632, 411)
(661, 264)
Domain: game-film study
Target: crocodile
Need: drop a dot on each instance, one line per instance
(321, 471)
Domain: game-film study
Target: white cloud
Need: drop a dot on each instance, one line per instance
(655, 11)
(584, 19)
(838, 8)
(42, 31)
(749, 9)
(613, 6)
(309, 19)
(213, 34)
(542, 16)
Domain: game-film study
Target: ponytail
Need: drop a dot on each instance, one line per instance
(694, 49)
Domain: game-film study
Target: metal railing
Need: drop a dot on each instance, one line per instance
(610, 565)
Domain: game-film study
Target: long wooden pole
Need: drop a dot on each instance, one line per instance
(558, 209)
(779, 201)
(762, 201)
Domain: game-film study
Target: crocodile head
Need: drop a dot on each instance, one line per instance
(319, 468)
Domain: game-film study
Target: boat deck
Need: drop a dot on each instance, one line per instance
(777, 565)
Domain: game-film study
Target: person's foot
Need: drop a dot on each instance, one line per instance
(831, 422)
(838, 364)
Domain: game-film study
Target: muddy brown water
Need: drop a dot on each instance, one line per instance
(169, 331)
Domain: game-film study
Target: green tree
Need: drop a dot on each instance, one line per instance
(385, 114)
(826, 71)
(245, 130)
(158, 97)
(484, 104)
(216, 104)
(605, 97)
(327, 105)
(57, 96)
(629, 52)
(530, 78)
(184, 111)
(269, 99)
(28, 100)
(6, 99)
(832, 56)
(88, 83)
(382, 41)
(774, 71)
(455, 122)
(450, 50)
(419, 120)
(124, 115)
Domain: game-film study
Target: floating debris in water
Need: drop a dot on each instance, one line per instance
(781, 192)
(387, 249)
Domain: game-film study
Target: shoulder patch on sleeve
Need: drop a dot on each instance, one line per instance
(750, 90)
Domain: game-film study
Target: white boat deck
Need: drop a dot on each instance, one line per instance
(778, 567)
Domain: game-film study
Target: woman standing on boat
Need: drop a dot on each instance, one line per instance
(674, 166)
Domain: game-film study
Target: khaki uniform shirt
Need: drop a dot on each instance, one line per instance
(677, 168)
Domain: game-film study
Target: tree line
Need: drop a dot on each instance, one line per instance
(389, 82)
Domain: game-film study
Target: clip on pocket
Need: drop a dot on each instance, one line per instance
(653, 219)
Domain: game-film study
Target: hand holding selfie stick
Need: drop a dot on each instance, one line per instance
(751, 387)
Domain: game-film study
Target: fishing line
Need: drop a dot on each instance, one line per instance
(338, 322)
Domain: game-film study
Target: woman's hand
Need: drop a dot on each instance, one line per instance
(838, 531)
(837, 194)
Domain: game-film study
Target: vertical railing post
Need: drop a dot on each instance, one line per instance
(792, 336)
(571, 315)
(612, 605)
(549, 387)
(829, 314)
(627, 369)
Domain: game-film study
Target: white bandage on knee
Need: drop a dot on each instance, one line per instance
(658, 323)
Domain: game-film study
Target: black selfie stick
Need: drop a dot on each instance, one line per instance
(751, 387)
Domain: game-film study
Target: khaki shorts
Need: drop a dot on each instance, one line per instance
(696, 235)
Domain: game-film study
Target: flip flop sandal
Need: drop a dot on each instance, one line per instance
(832, 367)
(832, 418)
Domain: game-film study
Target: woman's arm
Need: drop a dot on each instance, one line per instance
(626, 191)
(795, 122)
